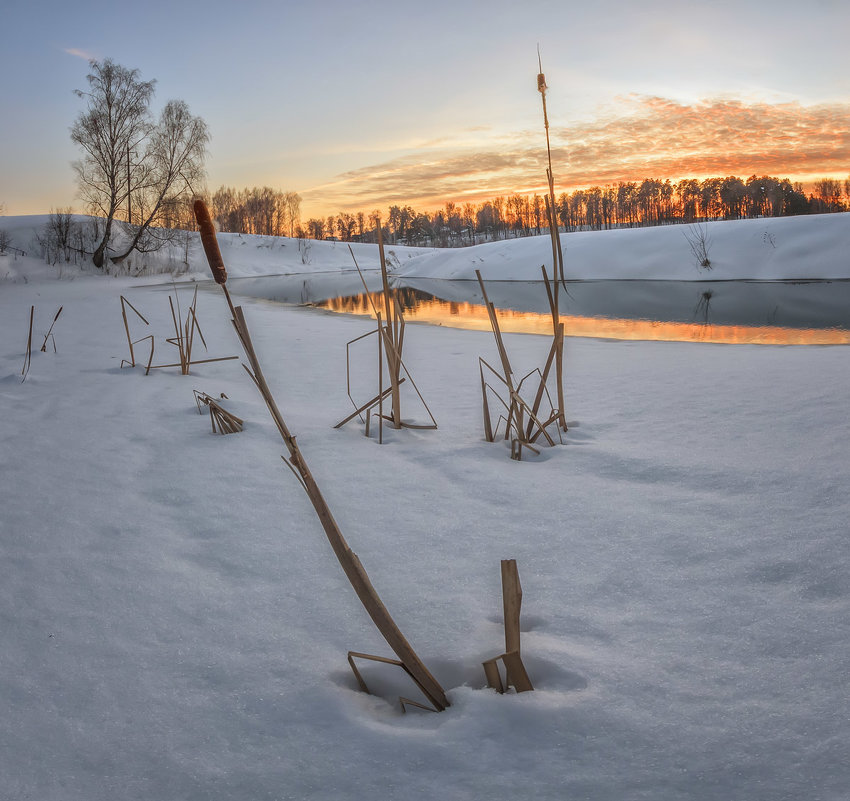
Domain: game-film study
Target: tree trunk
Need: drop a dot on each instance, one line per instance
(99, 255)
(139, 232)
(136, 238)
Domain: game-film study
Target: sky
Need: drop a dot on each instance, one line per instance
(362, 105)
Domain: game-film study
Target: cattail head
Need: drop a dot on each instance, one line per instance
(541, 83)
(210, 243)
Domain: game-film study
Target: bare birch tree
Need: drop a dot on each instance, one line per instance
(172, 169)
(114, 124)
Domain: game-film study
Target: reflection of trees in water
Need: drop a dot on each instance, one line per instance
(407, 298)
(703, 308)
(410, 300)
(424, 306)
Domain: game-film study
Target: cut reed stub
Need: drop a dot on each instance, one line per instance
(516, 675)
(210, 243)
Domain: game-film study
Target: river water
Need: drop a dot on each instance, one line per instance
(737, 312)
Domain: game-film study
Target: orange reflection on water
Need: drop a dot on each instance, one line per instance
(474, 317)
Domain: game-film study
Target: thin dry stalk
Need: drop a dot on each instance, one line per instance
(557, 254)
(390, 334)
(28, 356)
(348, 560)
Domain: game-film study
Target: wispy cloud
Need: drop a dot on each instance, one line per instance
(649, 137)
(73, 51)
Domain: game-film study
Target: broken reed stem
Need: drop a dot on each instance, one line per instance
(516, 675)
(348, 560)
(511, 603)
(130, 342)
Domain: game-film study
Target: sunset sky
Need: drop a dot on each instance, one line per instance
(360, 105)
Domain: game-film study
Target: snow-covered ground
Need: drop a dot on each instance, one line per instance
(174, 625)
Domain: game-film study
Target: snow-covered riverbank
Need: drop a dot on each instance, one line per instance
(174, 623)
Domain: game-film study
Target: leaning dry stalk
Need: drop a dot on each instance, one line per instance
(28, 356)
(349, 561)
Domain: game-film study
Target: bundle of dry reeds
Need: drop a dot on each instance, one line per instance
(222, 421)
(390, 336)
(523, 432)
(183, 339)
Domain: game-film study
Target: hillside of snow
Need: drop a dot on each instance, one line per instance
(246, 255)
(782, 248)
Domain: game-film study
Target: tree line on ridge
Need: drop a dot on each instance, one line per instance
(625, 204)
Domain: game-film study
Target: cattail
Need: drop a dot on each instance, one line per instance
(541, 78)
(210, 243)
(50, 333)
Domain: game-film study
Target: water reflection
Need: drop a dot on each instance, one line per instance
(787, 313)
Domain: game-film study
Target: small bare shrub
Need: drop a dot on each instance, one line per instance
(700, 244)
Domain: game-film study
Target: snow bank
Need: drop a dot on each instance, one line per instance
(816, 246)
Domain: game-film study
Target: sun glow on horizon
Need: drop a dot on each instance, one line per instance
(654, 137)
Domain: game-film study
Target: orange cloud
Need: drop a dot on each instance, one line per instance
(654, 138)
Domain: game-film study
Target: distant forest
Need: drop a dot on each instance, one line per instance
(626, 204)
